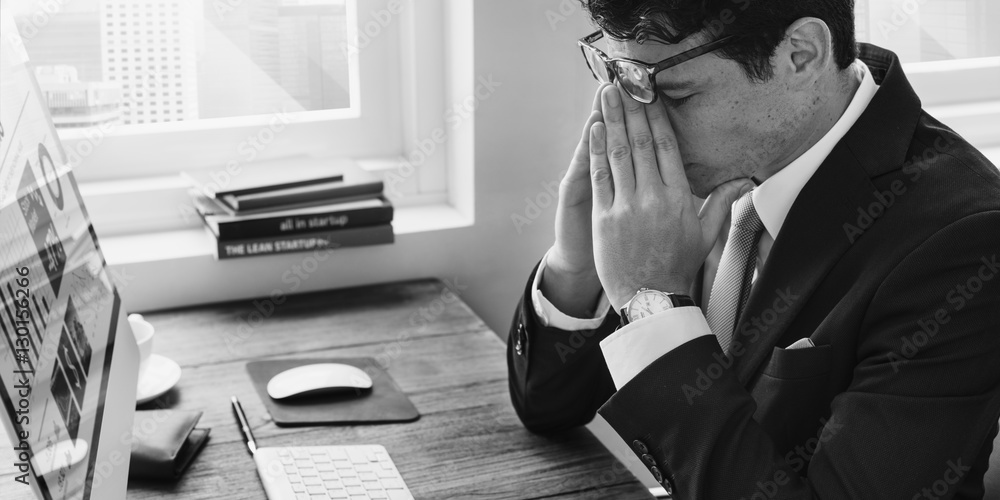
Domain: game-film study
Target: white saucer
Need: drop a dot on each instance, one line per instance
(64, 454)
(161, 375)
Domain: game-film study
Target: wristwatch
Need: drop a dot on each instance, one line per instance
(647, 302)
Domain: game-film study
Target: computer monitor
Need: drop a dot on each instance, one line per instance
(68, 361)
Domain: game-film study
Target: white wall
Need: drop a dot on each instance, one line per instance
(525, 135)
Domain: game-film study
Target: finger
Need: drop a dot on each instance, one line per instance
(668, 155)
(595, 115)
(618, 150)
(581, 157)
(717, 206)
(582, 154)
(597, 101)
(602, 180)
(641, 142)
(595, 111)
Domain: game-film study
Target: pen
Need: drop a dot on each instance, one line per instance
(241, 419)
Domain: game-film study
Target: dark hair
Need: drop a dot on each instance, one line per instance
(759, 25)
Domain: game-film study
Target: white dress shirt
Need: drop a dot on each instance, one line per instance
(631, 349)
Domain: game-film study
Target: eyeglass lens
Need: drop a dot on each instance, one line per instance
(634, 78)
(597, 65)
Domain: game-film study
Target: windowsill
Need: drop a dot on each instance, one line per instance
(171, 245)
(974, 121)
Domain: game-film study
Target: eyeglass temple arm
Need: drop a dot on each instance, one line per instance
(692, 53)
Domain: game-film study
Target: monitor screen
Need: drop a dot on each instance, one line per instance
(67, 356)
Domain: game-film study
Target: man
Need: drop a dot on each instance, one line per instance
(826, 324)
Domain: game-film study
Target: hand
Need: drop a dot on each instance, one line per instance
(573, 250)
(570, 280)
(648, 228)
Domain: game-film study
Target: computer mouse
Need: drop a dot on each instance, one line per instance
(320, 378)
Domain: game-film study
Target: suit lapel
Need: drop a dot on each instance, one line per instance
(826, 217)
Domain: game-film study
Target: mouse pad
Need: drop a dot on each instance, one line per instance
(384, 402)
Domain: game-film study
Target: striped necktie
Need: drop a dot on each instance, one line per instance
(734, 278)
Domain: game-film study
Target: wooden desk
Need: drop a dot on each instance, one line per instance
(468, 443)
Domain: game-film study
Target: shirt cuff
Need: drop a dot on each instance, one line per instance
(636, 345)
(550, 316)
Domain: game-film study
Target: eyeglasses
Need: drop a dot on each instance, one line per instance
(636, 77)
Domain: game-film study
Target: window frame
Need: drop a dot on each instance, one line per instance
(405, 58)
(111, 153)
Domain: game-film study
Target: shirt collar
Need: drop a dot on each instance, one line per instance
(773, 198)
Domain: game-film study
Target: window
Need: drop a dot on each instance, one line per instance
(291, 55)
(340, 76)
(950, 48)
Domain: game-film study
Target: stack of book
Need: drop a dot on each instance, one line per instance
(281, 207)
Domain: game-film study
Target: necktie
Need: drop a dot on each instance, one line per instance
(731, 288)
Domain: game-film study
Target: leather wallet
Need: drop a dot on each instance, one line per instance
(164, 443)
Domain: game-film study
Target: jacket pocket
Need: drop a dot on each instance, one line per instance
(801, 363)
(793, 395)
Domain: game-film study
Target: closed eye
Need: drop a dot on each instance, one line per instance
(676, 102)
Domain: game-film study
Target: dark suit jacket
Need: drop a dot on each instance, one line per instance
(888, 261)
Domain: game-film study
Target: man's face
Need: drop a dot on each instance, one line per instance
(727, 127)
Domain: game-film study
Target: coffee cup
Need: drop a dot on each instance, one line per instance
(143, 332)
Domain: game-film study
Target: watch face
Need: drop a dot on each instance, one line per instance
(648, 302)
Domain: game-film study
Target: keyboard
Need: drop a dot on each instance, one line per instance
(330, 472)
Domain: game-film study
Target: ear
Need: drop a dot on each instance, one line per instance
(807, 50)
